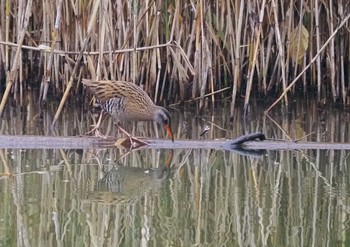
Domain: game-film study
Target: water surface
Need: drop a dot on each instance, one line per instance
(177, 197)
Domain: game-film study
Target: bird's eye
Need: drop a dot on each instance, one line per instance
(166, 121)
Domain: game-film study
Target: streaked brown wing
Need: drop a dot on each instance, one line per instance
(105, 90)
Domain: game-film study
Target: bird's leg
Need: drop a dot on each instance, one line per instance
(131, 138)
(96, 127)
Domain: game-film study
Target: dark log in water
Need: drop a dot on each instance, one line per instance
(247, 142)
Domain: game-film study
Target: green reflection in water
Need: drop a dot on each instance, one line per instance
(207, 197)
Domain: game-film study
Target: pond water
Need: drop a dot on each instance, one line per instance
(177, 197)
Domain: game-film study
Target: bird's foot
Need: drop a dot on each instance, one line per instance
(96, 130)
(134, 141)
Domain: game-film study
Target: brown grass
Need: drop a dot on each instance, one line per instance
(177, 50)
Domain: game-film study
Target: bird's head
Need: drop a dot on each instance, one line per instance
(162, 117)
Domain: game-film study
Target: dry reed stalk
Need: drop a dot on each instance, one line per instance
(267, 61)
(2, 34)
(344, 21)
(46, 49)
(79, 58)
(212, 86)
(304, 77)
(236, 43)
(205, 55)
(286, 35)
(135, 4)
(342, 60)
(45, 35)
(185, 58)
(318, 45)
(254, 50)
(331, 58)
(157, 56)
(12, 74)
(206, 65)
(7, 32)
(211, 36)
(204, 96)
(151, 74)
(48, 73)
(111, 42)
(101, 40)
(213, 55)
(280, 47)
(197, 47)
(173, 17)
(20, 12)
(298, 41)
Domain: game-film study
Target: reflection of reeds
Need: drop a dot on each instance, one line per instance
(298, 123)
(177, 50)
(214, 198)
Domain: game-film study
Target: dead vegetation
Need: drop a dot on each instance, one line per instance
(177, 50)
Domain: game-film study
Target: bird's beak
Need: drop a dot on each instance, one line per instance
(170, 133)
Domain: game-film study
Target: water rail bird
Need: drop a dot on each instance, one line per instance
(124, 185)
(125, 101)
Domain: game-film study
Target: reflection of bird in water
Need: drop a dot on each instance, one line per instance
(125, 185)
(126, 101)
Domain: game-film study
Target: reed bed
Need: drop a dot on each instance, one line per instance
(177, 50)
